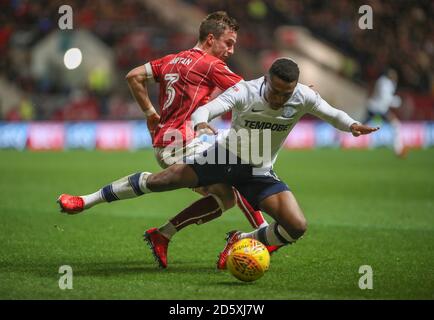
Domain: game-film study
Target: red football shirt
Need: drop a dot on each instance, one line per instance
(187, 80)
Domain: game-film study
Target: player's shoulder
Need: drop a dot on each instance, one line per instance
(304, 95)
(247, 90)
(255, 85)
(165, 59)
(303, 89)
(184, 57)
(250, 86)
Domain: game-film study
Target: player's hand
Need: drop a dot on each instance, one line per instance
(152, 121)
(360, 129)
(205, 128)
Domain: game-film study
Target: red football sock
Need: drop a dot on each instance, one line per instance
(255, 217)
(201, 211)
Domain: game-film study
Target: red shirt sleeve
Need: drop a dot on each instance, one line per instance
(223, 77)
(158, 64)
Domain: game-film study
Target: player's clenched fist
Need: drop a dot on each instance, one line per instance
(152, 122)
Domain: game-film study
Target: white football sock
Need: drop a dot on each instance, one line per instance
(268, 235)
(128, 187)
(263, 225)
(92, 199)
(277, 236)
(398, 145)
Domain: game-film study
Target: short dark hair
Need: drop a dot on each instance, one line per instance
(216, 23)
(285, 69)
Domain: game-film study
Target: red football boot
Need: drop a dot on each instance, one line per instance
(231, 238)
(272, 249)
(158, 244)
(70, 204)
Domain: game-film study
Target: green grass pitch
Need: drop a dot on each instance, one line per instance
(363, 208)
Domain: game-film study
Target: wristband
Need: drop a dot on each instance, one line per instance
(149, 112)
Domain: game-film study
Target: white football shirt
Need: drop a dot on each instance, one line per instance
(267, 128)
(383, 96)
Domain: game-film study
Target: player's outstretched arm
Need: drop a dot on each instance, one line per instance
(338, 118)
(358, 129)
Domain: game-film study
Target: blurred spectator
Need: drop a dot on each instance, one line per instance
(81, 106)
(24, 111)
(403, 34)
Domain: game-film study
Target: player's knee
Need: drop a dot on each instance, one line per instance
(295, 228)
(225, 203)
(155, 181)
(172, 177)
(228, 200)
(298, 228)
(225, 197)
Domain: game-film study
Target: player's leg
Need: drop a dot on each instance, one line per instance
(175, 177)
(254, 190)
(255, 217)
(289, 225)
(398, 145)
(217, 199)
(124, 188)
(193, 149)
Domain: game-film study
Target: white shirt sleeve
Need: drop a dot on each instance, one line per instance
(209, 111)
(233, 97)
(149, 74)
(321, 109)
(337, 118)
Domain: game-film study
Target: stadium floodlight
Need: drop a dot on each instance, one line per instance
(72, 58)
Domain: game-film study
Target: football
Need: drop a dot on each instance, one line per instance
(248, 260)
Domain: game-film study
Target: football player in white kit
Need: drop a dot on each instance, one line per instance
(381, 101)
(275, 103)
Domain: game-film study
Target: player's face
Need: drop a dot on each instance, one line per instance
(278, 91)
(224, 46)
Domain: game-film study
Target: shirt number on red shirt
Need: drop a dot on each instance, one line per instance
(171, 78)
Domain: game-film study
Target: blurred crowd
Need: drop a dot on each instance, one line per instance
(134, 33)
(403, 38)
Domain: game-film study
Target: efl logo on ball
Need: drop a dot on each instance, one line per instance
(248, 260)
